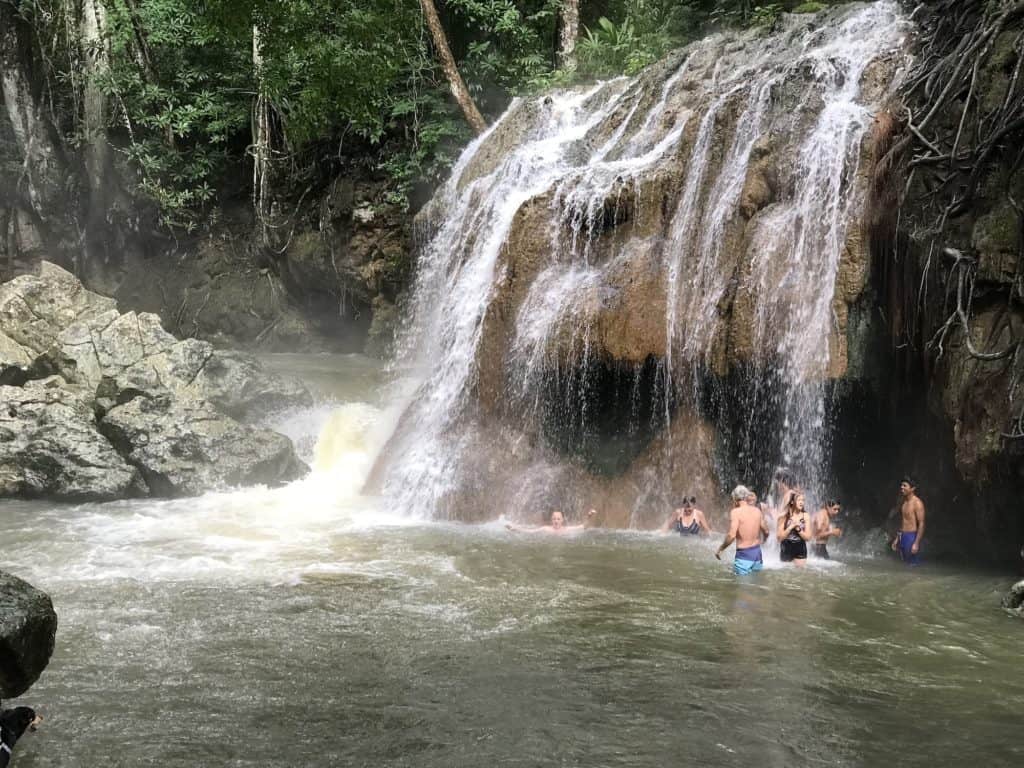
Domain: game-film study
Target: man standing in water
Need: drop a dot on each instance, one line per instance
(557, 524)
(911, 533)
(747, 529)
(823, 528)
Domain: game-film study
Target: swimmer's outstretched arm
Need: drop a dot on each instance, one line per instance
(522, 529)
(589, 516)
(730, 537)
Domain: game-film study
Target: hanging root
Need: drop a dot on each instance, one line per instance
(961, 122)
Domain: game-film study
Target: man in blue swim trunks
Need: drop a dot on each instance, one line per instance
(911, 533)
(747, 528)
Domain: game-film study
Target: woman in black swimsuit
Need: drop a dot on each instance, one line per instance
(687, 520)
(794, 530)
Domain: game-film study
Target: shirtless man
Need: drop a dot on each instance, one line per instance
(747, 529)
(823, 528)
(687, 520)
(911, 533)
(557, 524)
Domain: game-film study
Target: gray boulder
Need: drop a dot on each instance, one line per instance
(50, 446)
(51, 318)
(166, 407)
(35, 309)
(1014, 599)
(28, 627)
(240, 387)
(183, 446)
(15, 361)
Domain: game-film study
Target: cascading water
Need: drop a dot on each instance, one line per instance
(697, 219)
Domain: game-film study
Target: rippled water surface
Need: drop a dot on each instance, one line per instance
(307, 626)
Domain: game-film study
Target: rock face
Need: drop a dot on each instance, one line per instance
(77, 372)
(624, 258)
(50, 446)
(183, 446)
(28, 627)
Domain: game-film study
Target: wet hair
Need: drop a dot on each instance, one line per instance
(832, 503)
(689, 500)
(910, 481)
(740, 493)
(784, 475)
(17, 720)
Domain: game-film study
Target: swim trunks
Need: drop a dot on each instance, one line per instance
(906, 541)
(821, 550)
(790, 550)
(748, 560)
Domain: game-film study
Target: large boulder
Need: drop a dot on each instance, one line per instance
(183, 446)
(168, 406)
(28, 627)
(50, 446)
(240, 387)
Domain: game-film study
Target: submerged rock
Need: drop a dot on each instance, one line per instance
(50, 446)
(167, 407)
(28, 627)
(1014, 599)
(183, 446)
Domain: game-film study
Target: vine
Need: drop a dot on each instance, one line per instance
(944, 146)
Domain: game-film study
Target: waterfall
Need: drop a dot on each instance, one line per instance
(605, 257)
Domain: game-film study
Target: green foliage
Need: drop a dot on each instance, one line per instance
(810, 7)
(610, 49)
(765, 15)
(353, 79)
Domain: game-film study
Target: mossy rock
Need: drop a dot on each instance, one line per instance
(810, 8)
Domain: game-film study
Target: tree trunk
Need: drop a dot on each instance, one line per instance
(569, 30)
(455, 81)
(42, 183)
(94, 109)
(260, 137)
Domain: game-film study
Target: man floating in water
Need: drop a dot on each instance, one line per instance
(824, 530)
(687, 520)
(557, 524)
(911, 533)
(747, 529)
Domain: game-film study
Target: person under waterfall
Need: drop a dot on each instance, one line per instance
(907, 541)
(824, 530)
(794, 530)
(556, 525)
(748, 530)
(687, 520)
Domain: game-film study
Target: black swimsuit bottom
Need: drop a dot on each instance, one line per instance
(790, 550)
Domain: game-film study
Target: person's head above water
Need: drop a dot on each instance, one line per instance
(752, 499)
(796, 502)
(689, 502)
(557, 519)
(740, 494)
(832, 505)
(908, 486)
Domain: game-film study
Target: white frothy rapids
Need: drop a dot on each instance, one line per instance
(582, 150)
(257, 534)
